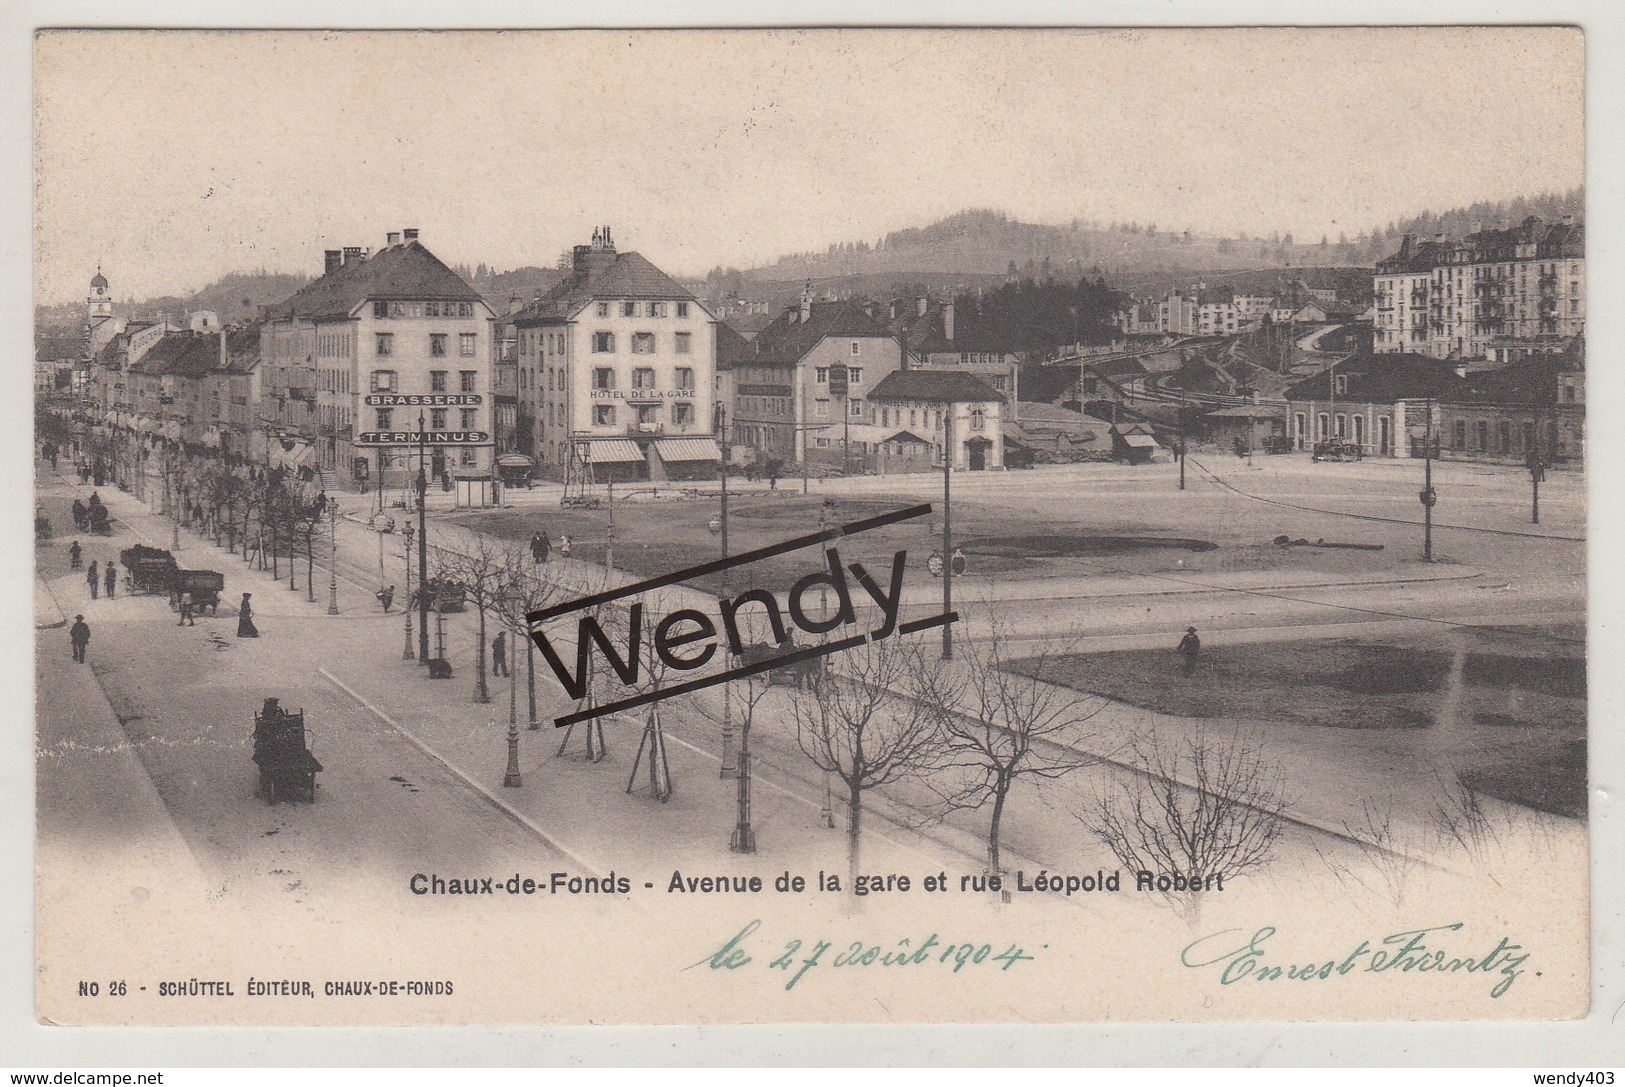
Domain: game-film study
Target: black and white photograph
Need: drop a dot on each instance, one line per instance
(726, 526)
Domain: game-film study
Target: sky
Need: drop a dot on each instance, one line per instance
(169, 158)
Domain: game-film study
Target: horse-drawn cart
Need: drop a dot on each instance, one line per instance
(152, 569)
(204, 585)
(287, 768)
(800, 674)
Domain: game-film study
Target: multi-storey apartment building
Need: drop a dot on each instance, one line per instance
(617, 372)
(785, 384)
(1497, 295)
(940, 339)
(354, 359)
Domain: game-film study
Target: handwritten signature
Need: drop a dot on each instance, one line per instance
(1413, 952)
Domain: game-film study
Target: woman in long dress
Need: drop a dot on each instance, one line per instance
(245, 620)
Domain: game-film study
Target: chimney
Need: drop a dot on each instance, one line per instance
(806, 302)
(392, 238)
(352, 253)
(222, 349)
(948, 321)
(594, 258)
(893, 309)
(919, 307)
(409, 234)
(333, 258)
(869, 309)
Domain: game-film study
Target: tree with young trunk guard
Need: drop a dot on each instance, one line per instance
(480, 566)
(864, 723)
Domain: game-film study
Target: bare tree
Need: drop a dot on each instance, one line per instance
(1003, 724)
(740, 699)
(307, 520)
(864, 725)
(1389, 856)
(481, 569)
(1194, 810)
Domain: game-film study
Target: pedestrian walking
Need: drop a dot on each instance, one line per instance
(539, 547)
(93, 578)
(386, 597)
(1189, 646)
(186, 611)
(75, 555)
(245, 620)
(110, 581)
(79, 637)
(80, 515)
(499, 654)
(564, 546)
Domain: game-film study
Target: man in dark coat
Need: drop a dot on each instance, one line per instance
(539, 547)
(79, 637)
(499, 654)
(93, 578)
(110, 581)
(76, 556)
(1189, 646)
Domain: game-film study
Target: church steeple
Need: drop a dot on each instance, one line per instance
(100, 302)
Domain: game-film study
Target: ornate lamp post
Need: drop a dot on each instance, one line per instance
(333, 560)
(719, 526)
(423, 546)
(406, 650)
(513, 605)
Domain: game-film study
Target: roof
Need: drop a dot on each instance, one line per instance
(621, 275)
(1551, 240)
(56, 348)
(927, 335)
(789, 338)
(868, 432)
(1530, 381)
(731, 346)
(195, 354)
(404, 271)
(1382, 379)
(935, 386)
(98, 280)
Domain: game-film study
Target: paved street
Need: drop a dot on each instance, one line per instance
(414, 768)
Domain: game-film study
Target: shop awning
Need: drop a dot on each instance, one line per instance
(610, 451)
(687, 449)
(514, 460)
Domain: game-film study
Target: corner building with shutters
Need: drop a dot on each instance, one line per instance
(351, 361)
(616, 373)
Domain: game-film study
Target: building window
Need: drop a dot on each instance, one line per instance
(603, 378)
(648, 414)
(467, 419)
(657, 309)
(1342, 384)
(437, 418)
(855, 408)
(1483, 429)
(466, 382)
(682, 414)
(821, 409)
(468, 457)
(437, 344)
(1461, 434)
(437, 381)
(603, 415)
(383, 381)
(685, 378)
(386, 343)
(603, 309)
(978, 418)
(854, 375)
(1504, 436)
(1342, 426)
(629, 309)
(603, 343)
(386, 420)
(682, 309)
(643, 378)
(821, 375)
(643, 343)
(465, 344)
(997, 381)
(855, 348)
(684, 344)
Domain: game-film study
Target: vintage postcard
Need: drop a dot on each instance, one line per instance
(784, 526)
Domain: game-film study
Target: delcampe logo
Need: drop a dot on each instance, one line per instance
(687, 639)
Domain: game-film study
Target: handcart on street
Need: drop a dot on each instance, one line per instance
(287, 768)
(204, 585)
(152, 569)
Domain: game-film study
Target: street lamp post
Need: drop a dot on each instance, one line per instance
(1428, 495)
(333, 556)
(729, 767)
(511, 779)
(423, 545)
(406, 650)
(826, 813)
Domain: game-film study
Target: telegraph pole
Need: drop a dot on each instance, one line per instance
(1428, 495)
(948, 533)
